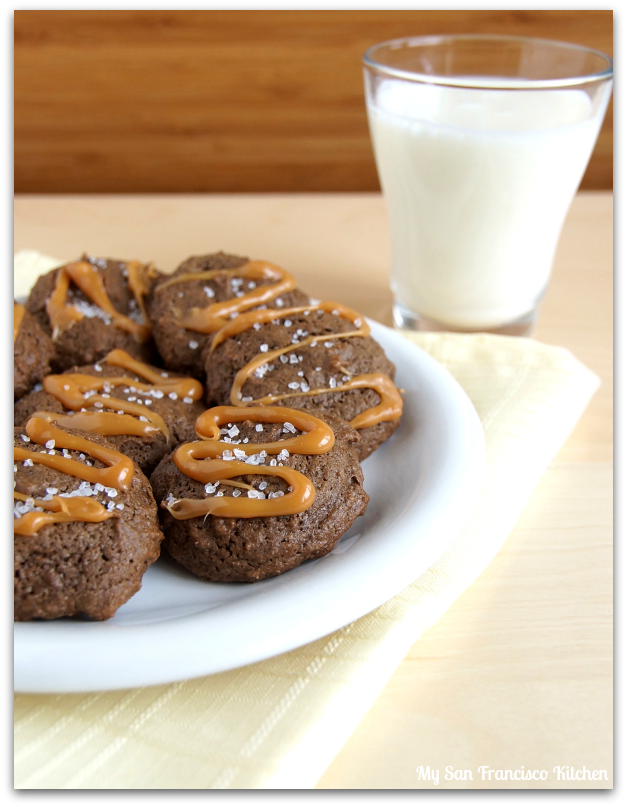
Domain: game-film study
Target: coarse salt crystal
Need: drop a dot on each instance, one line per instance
(257, 326)
(193, 344)
(173, 396)
(263, 348)
(328, 344)
(209, 291)
(50, 444)
(259, 427)
(25, 438)
(211, 488)
(294, 385)
(97, 368)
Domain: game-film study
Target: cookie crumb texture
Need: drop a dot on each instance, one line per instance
(248, 550)
(79, 568)
(33, 355)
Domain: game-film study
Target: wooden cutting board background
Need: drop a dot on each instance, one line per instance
(186, 101)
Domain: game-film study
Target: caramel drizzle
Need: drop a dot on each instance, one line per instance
(70, 389)
(118, 474)
(18, 316)
(62, 315)
(202, 461)
(215, 316)
(119, 471)
(390, 406)
(76, 508)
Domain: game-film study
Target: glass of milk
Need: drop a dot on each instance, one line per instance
(480, 144)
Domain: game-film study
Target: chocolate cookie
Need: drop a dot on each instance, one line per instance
(319, 358)
(33, 351)
(204, 292)
(286, 485)
(93, 306)
(86, 526)
(143, 411)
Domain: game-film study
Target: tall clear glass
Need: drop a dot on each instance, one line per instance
(481, 143)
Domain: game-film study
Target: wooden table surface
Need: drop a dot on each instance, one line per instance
(519, 671)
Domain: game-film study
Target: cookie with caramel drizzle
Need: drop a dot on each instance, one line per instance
(86, 526)
(204, 294)
(263, 489)
(92, 306)
(315, 356)
(143, 409)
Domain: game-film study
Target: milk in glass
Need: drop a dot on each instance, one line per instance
(478, 183)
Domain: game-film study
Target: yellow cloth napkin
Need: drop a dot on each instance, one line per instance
(280, 722)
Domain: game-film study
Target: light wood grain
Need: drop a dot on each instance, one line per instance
(186, 101)
(518, 672)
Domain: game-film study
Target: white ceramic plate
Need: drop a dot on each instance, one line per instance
(422, 483)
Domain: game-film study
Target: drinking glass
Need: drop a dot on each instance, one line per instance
(480, 143)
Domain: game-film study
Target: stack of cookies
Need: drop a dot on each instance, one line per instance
(218, 412)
